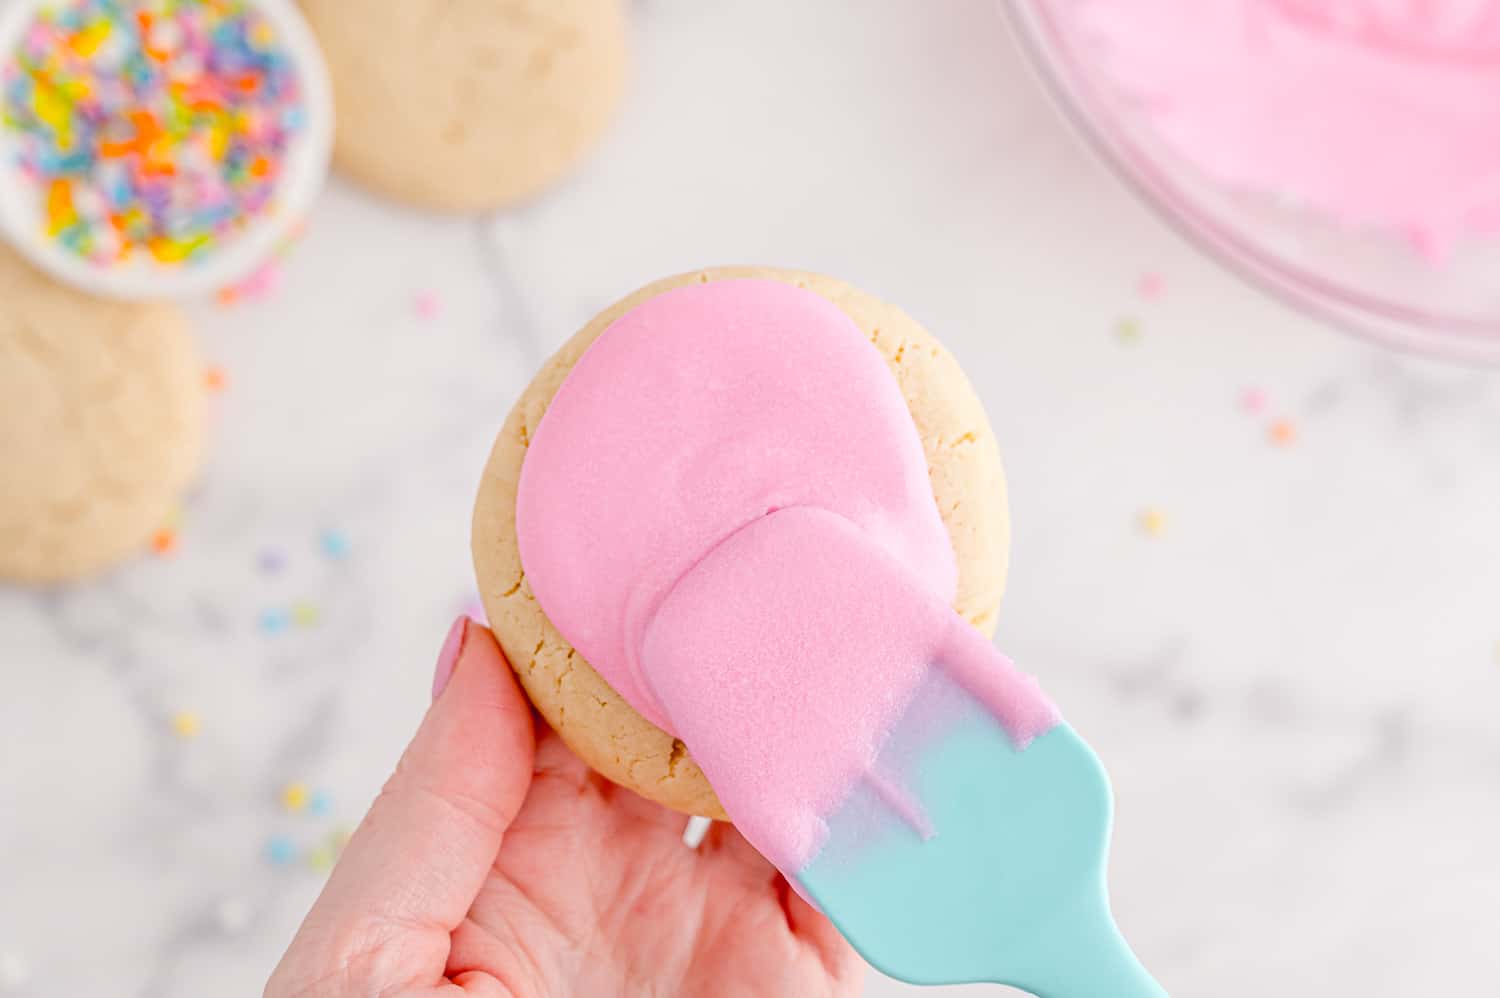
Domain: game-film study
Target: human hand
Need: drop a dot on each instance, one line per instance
(495, 863)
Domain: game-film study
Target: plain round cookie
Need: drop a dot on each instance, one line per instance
(601, 728)
(468, 105)
(101, 422)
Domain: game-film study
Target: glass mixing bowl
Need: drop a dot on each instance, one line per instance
(1372, 283)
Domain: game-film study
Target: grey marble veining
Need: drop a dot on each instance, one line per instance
(1295, 684)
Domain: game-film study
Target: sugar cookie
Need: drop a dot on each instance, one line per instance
(596, 722)
(468, 105)
(102, 429)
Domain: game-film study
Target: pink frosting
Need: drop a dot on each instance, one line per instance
(726, 510)
(1375, 112)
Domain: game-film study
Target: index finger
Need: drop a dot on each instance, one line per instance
(420, 856)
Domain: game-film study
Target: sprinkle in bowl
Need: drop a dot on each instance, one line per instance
(158, 149)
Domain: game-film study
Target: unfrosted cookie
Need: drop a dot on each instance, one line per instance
(101, 426)
(467, 105)
(967, 481)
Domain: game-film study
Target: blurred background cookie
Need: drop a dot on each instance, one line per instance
(964, 468)
(468, 105)
(101, 427)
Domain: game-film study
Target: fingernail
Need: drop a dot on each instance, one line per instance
(453, 646)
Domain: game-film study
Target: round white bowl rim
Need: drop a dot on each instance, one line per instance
(1392, 324)
(247, 251)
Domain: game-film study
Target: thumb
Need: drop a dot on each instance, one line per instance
(419, 858)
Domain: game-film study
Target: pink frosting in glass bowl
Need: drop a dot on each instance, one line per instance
(1344, 154)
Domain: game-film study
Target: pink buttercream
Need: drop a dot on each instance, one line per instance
(699, 411)
(726, 510)
(1381, 112)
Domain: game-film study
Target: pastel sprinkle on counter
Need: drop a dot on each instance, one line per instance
(150, 127)
(1128, 330)
(258, 286)
(294, 796)
(164, 541)
(334, 544)
(274, 620)
(186, 724)
(281, 850)
(428, 305)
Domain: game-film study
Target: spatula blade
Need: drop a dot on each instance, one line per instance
(1004, 878)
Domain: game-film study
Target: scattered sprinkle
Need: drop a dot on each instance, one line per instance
(1253, 400)
(270, 561)
(304, 614)
(186, 724)
(281, 850)
(1127, 330)
(320, 858)
(339, 837)
(150, 130)
(1282, 432)
(335, 544)
(1153, 522)
(428, 305)
(319, 804)
(232, 915)
(214, 378)
(294, 796)
(274, 621)
(260, 285)
(14, 971)
(164, 541)
(1151, 286)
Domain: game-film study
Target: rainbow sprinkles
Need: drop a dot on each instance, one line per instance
(155, 129)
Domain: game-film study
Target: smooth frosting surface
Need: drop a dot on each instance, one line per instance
(787, 656)
(726, 510)
(699, 411)
(1371, 112)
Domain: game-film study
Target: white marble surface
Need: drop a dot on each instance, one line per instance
(1294, 685)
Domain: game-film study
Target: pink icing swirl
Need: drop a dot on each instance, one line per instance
(1433, 29)
(1368, 112)
(726, 510)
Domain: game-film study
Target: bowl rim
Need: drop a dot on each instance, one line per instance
(307, 170)
(1392, 324)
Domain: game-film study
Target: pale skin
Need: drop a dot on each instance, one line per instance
(495, 863)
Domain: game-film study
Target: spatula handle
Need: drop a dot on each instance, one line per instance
(1093, 960)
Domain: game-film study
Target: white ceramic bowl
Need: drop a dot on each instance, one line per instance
(1369, 282)
(238, 257)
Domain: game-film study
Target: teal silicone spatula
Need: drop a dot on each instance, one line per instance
(969, 842)
(728, 510)
(1010, 885)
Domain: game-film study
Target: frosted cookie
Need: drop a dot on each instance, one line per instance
(468, 105)
(102, 425)
(592, 717)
